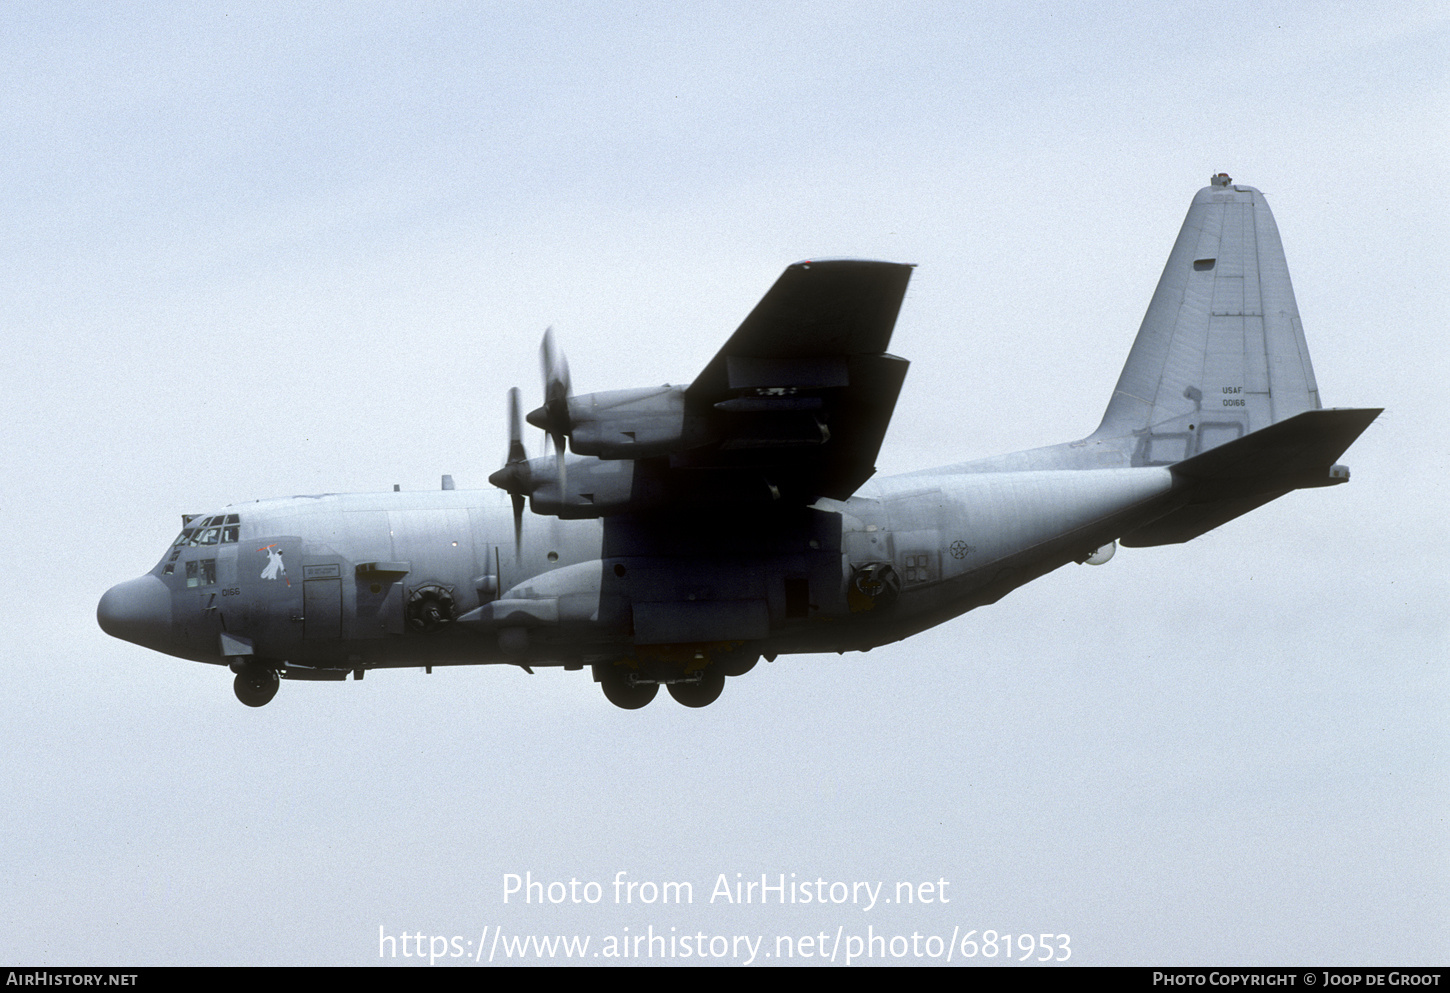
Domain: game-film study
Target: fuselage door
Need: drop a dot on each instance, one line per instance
(322, 602)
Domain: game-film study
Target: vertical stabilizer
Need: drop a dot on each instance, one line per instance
(1221, 351)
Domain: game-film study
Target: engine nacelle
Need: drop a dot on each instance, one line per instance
(592, 488)
(630, 424)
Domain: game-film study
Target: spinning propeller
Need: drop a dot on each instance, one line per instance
(516, 477)
(553, 416)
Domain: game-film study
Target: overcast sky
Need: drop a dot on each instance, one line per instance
(258, 250)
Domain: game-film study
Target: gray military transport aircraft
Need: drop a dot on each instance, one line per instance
(696, 528)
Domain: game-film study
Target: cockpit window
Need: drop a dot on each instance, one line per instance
(222, 529)
(198, 531)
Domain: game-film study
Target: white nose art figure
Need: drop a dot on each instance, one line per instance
(274, 563)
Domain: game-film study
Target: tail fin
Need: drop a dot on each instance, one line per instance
(1221, 351)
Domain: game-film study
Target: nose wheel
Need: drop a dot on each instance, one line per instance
(256, 685)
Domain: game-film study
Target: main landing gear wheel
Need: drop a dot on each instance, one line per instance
(620, 691)
(702, 693)
(735, 663)
(256, 685)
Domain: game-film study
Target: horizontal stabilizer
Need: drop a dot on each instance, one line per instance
(1305, 443)
(1244, 474)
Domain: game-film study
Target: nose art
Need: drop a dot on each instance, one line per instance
(138, 610)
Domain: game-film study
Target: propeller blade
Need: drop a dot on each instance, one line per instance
(557, 390)
(556, 374)
(517, 452)
(515, 477)
(518, 499)
(553, 416)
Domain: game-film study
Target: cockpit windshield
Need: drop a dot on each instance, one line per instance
(222, 529)
(197, 531)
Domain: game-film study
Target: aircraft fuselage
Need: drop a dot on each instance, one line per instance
(356, 581)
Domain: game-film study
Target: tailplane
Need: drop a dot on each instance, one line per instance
(1248, 472)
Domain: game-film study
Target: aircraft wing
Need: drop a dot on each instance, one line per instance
(802, 393)
(793, 408)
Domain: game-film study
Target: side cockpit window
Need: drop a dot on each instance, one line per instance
(200, 572)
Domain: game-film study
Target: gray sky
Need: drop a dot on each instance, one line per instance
(260, 250)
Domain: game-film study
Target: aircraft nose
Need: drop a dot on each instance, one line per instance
(138, 611)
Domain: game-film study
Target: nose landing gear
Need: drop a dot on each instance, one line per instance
(255, 684)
